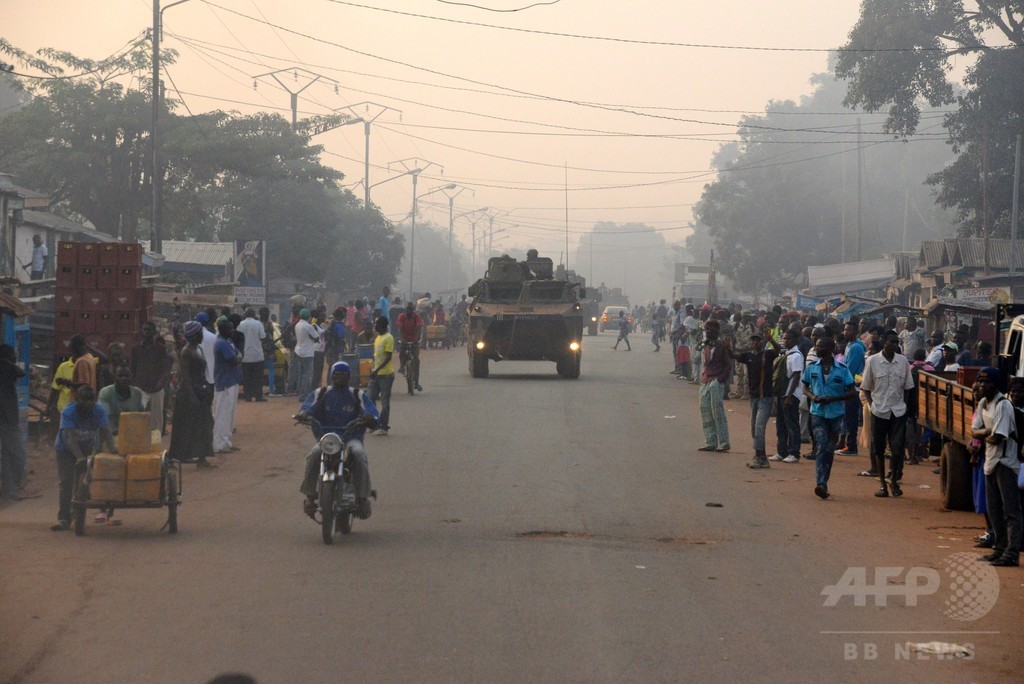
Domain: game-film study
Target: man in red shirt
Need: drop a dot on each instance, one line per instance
(410, 325)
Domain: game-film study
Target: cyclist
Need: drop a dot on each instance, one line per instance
(410, 326)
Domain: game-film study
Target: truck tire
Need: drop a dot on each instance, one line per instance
(569, 367)
(477, 365)
(955, 477)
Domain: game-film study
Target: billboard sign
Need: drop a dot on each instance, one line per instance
(250, 272)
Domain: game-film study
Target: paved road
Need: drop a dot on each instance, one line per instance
(529, 529)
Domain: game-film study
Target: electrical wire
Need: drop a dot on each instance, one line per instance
(211, 46)
(706, 46)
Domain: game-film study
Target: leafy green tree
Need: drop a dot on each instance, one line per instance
(901, 55)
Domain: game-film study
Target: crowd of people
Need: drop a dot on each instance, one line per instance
(843, 387)
(208, 365)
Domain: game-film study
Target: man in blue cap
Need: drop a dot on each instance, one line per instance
(994, 423)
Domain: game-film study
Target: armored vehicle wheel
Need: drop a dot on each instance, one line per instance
(569, 367)
(478, 365)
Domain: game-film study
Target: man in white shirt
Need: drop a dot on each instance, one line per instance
(208, 343)
(787, 418)
(937, 340)
(39, 256)
(252, 357)
(994, 423)
(307, 336)
(885, 383)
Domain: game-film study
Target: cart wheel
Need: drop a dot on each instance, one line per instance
(172, 504)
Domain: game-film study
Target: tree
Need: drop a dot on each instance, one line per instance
(901, 54)
(226, 176)
(430, 271)
(779, 201)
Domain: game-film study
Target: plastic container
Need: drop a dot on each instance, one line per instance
(107, 478)
(133, 434)
(143, 480)
(353, 363)
(365, 351)
(365, 366)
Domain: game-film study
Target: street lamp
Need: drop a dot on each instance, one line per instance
(451, 225)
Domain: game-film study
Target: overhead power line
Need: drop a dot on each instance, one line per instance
(704, 110)
(662, 43)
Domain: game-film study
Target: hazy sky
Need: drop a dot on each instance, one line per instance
(513, 131)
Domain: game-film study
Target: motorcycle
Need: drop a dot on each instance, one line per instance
(336, 496)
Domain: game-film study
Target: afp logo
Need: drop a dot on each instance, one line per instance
(971, 587)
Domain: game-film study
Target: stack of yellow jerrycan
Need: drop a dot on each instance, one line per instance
(135, 442)
(133, 474)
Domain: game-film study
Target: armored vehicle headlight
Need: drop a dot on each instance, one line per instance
(574, 346)
(480, 345)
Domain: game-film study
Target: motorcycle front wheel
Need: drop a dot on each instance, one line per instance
(327, 514)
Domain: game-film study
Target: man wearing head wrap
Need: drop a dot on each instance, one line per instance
(994, 423)
(306, 337)
(333, 408)
(192, 434)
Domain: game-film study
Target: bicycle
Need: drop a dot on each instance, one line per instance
(409, 357)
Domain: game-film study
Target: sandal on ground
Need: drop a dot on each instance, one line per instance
(707, 448)
(101, 517)
(62, 526)
(867, 473)
(309, 508)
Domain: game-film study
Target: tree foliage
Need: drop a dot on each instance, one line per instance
(778, 204)
(226, 176)
(902, 53)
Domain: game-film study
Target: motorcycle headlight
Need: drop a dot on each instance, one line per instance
(480, 345)
(594, 318)
(331, 444)
(574, 346)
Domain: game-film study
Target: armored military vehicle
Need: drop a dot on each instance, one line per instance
(590, 301)
(521, 312)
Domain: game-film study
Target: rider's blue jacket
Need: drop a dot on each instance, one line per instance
(334, 409)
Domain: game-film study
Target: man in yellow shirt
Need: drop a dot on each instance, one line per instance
(61, 390)
(382, 374)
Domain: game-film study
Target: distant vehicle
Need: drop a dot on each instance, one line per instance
(610, 318)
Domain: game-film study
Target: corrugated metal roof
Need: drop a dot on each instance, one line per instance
(850, 273)
(198, 253)
(45, 219)
(970, 253)
(933, 253)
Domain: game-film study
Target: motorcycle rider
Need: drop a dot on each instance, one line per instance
(333, 408)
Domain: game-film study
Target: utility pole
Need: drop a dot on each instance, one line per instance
(414, 167)
(451, 224)
(860, 192)
(984, 192)
(842, 211)
(311, 75)
(156, 181)
(1014, 213)
(566, 217)
(366, 121)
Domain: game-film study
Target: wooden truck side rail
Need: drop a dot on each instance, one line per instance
(944, 406)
